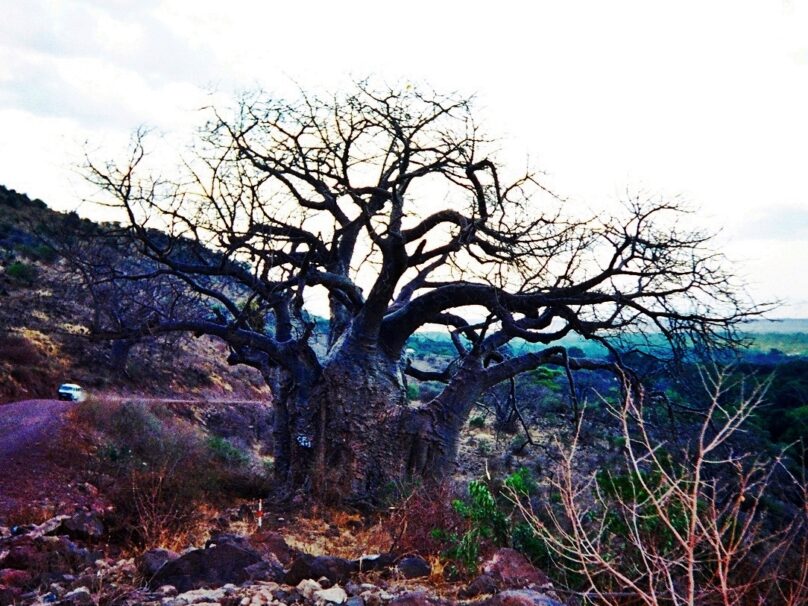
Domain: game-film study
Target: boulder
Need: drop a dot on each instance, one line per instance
(414, 567)
(78, 597)
(85, 525)
(511, 570)
(332, 595)
(48, 527)
(8, 595)
(308, 587)
(376, 561)
(203, 596)
(210, 567)
(336, 570)
(48, 556)
(268, 569)
(149, 562)
(521, 597)
(270, 542)
(481, 585)
(418, 598)
(11, 577)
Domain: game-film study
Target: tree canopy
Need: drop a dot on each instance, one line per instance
(387, 210)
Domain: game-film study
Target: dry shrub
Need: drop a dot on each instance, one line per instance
(699, 526)
(30, 513)
(419, 517)
(165, 476)
(26, 365)
(18, 350)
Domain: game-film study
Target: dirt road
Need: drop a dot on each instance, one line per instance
(31, 477)
(25, 427)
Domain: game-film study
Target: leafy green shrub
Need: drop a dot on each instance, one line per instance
(483, 447)
(642, 489)
(225, 451)
(492, 520)
(40, 252)
(24, 273)
(477, 422)
(412, 391)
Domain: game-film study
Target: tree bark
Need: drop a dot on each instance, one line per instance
(354, 433)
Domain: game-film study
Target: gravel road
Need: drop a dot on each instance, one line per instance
(26, 426)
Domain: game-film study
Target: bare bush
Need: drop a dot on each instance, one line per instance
(693, 523)
(166, 474)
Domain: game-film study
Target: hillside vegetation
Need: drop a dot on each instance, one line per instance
(44, 320)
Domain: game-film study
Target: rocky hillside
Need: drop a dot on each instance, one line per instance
(60, 562)
(44, 315)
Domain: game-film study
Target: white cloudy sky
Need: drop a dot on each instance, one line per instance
(707, 100)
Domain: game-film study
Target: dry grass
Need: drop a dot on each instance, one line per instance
(427, 508)
(30, 513)
(338, 532)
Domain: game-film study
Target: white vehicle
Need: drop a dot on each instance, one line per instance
(71, 392)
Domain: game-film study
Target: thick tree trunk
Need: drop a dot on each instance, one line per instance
(353, 432)
(119, 355)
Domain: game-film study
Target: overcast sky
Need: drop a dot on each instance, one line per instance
(703, 100)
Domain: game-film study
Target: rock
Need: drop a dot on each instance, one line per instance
(413, 567)
(332, 595)
(370, 598)
(325, 582)
(481, 585)
(149, 562)
(355, 601)
(166, 591)
(222, 538)
(48, 527)
(85, 525)
(201, 596)
(48, 556)
(521, 597)
(511, 570)
(216, 565)
(57, 589)
(336, 570)
(308, 587)
(286, 597)
(79, 597)
(11, 577)
(8, 595)
(374, 562)
(88, 580)
(352, 588)
(273, 543)
(418, 598)
(268, 569)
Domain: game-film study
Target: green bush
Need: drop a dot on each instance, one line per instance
(638, 488)
(493, 521)
(24, 273)
(40, 252)
(412, 392)
(225, 451)
(477, 422)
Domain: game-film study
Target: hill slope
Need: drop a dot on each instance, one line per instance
(43, 327)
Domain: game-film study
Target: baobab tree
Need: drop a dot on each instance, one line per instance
(386, 210)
